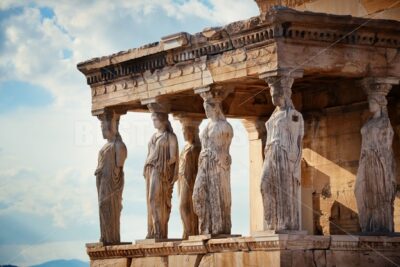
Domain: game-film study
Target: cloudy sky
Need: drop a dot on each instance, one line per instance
(49, 140)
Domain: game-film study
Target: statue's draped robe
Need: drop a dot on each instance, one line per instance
(110, 183)
(280, 183)
(160, 176)
(212, 192)
(375, 187)
(188, 163)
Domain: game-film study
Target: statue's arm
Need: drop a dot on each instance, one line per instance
(121, 154)
(390, 135)
(173, 150)
(224, 159)
(97, 171)
(145, 164)
(300, 148)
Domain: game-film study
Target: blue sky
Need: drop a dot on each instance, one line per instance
(49, 140)
(16, 94)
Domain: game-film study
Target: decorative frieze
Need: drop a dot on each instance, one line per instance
(256, 31)
(227, 245)
(276, 242)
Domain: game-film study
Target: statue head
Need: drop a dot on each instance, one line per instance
(278, 98)
(109, 125)
(213, 104)
(188, 134)
(377, 104)
(190, 127)
(281, 92)
(161, 122)
(191, 133)
(376, 92)
(213, 110)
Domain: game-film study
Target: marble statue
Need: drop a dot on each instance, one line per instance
(160, 172)
(280, 181)
(212, 192)
(110, 179)
(188, 163)
(375, 187)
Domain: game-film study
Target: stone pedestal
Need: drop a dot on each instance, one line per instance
(285, 250)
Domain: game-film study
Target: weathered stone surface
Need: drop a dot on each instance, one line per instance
(283, 38)
(387, 9)
(281, 177)
(237, 259)
(188, 165)
(375, 187)
(189, 247)
(150, 262)
(257, 133)
(184, 260)
(302, 258)
(121, 262)
(319, 258)
(274, 250)
(328, 96)
(160, 172)
(110, 179)
(212, 189)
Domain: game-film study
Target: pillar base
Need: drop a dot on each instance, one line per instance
(156, 240)
(277, 232)
(210, 236)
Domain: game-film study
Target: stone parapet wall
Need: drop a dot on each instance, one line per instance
(273, 250)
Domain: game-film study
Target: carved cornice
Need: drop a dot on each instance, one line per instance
(243, 36)
(266, 243)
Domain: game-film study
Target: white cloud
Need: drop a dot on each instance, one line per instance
(60, 198)
(34, 46)
(48, 155)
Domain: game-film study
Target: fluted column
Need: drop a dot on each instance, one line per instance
(256, 131)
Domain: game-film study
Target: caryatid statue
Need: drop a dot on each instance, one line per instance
(212, 189)
(280, 181)
(160, 172)
(110, 179)
(375, 187)
(188, 165)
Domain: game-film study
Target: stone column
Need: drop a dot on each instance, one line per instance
(110, 178)
(257, 134)
(375, 187)
(212, 189)
(188, 165)
(160, 170)
(281, 176)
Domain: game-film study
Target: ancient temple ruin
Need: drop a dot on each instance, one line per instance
(334, 69)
